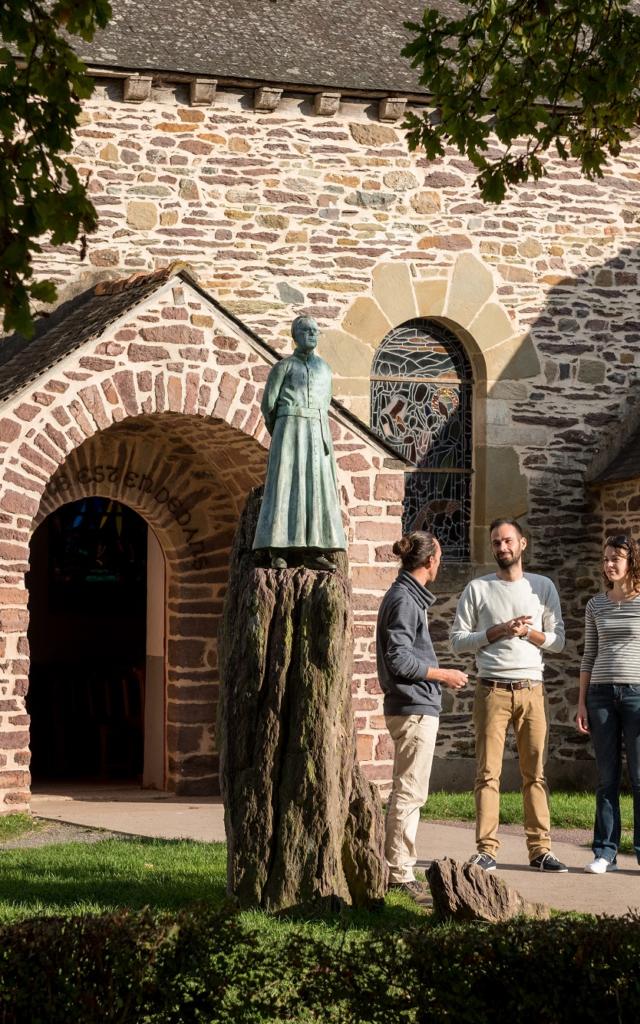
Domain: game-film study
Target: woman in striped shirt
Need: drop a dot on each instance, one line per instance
(609, 702)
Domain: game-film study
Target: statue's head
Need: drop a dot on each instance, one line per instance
(304, 330)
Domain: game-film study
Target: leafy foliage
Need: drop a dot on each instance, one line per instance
(42, 82)
(531, 75)
(200, 966)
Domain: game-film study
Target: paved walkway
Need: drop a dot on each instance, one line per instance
(162, 815)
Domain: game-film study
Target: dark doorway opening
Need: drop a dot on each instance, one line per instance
(87, 636)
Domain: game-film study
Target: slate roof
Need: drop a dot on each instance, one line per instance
(343, 44)
(626, 464)
(88, 315)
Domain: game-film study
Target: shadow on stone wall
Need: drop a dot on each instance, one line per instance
(566, 425)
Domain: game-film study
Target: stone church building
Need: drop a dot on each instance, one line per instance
(248, 164)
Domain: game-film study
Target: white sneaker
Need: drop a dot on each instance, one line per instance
(599, 866)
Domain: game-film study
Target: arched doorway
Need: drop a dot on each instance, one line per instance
(95, 699)
(187, 479)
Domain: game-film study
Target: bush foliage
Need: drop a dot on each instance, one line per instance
(206, 966)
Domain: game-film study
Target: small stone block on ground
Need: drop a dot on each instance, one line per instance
(465, 892)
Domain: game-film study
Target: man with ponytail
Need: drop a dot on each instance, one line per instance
(411, 680)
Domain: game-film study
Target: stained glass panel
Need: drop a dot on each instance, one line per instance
(97, 553)
(421, 406)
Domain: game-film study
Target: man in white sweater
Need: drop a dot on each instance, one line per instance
(507, 619)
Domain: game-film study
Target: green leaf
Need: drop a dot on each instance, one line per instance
(39, 190)
(564, 75)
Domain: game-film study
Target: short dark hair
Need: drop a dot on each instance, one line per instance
(506, 522)
(415, 549)
(624, 542)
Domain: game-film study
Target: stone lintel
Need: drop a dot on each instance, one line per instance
(392, 108)
(266, 98)
(202, 92)
(137, 88)
(326, 103)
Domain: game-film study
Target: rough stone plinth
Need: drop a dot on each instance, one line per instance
(304, 827)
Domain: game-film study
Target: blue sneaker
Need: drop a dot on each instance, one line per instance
(484, 861)
(547, 862)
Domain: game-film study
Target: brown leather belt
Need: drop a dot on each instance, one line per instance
(510, 684)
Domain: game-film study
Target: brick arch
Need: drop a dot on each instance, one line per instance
(174, 385)
(186, 415)
(188, 478)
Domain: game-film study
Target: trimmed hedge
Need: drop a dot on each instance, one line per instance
(206, 967)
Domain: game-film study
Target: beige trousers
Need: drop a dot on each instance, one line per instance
(414, 740)
(493, 711)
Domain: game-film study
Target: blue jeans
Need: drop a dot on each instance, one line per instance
(614, 715)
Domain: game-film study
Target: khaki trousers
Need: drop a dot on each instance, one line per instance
(414, 740)
(493, 710)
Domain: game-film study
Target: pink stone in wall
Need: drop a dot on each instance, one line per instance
(26, 412)
(159, 393)
(191, 396)
(174, 394)
(354, 463)
(139, 353)
(364, 747)
(110, 392)
(228, 385)
(96, 364)
(384, 748)
(57, 437)
(9, 430)
(384, 553)
(362, 487)
(125, 384)
(359, 553)
(94, 405)
(389, 487)
(364, 704)
(14, 740)
(378, 772)
(11, 553)
(373, 530)
(13, 501)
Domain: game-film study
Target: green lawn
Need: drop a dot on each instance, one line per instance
(14, 825)
(92, 878)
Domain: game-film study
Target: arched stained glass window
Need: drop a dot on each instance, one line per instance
(421, 405)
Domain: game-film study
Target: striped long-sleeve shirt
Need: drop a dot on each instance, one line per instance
(612, 641)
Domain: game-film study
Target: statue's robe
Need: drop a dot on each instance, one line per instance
(300, 507)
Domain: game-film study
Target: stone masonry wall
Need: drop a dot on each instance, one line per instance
(289, 212)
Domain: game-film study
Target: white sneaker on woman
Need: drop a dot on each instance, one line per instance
(599, 866)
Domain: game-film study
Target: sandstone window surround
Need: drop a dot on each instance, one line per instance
(461, 297)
